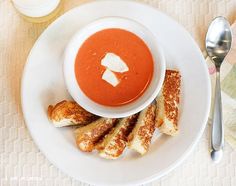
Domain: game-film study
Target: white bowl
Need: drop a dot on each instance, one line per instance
(130, 108)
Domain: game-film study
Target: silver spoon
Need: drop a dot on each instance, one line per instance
(218, 44)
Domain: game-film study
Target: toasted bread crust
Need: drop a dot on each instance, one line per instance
(111, 136)
(140, 138)
(114, 143)
(66, 113)
(168, 103)
(89, 135)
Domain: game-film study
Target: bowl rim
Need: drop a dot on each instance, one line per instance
(108, 111)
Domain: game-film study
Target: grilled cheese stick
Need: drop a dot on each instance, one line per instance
(114, 143)
(140, 138)
(89, 135)
(67, 113)
(168, 104)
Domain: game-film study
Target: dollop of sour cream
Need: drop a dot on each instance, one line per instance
(110, 78)
(113, 63)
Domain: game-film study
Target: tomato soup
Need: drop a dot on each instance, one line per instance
(131, 50)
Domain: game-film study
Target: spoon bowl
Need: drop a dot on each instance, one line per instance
(218, 40)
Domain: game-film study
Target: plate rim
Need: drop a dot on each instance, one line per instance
(137, 181)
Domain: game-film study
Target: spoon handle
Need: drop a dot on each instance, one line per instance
(217, 137)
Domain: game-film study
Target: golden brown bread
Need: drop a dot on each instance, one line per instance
(87, 136)
(168, 104)
(114, 143)
(108, 136)
(66, 113)
(140, 137)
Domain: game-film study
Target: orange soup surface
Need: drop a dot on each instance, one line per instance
(132, 83)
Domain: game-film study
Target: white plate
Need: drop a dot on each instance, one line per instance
(43, 84)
